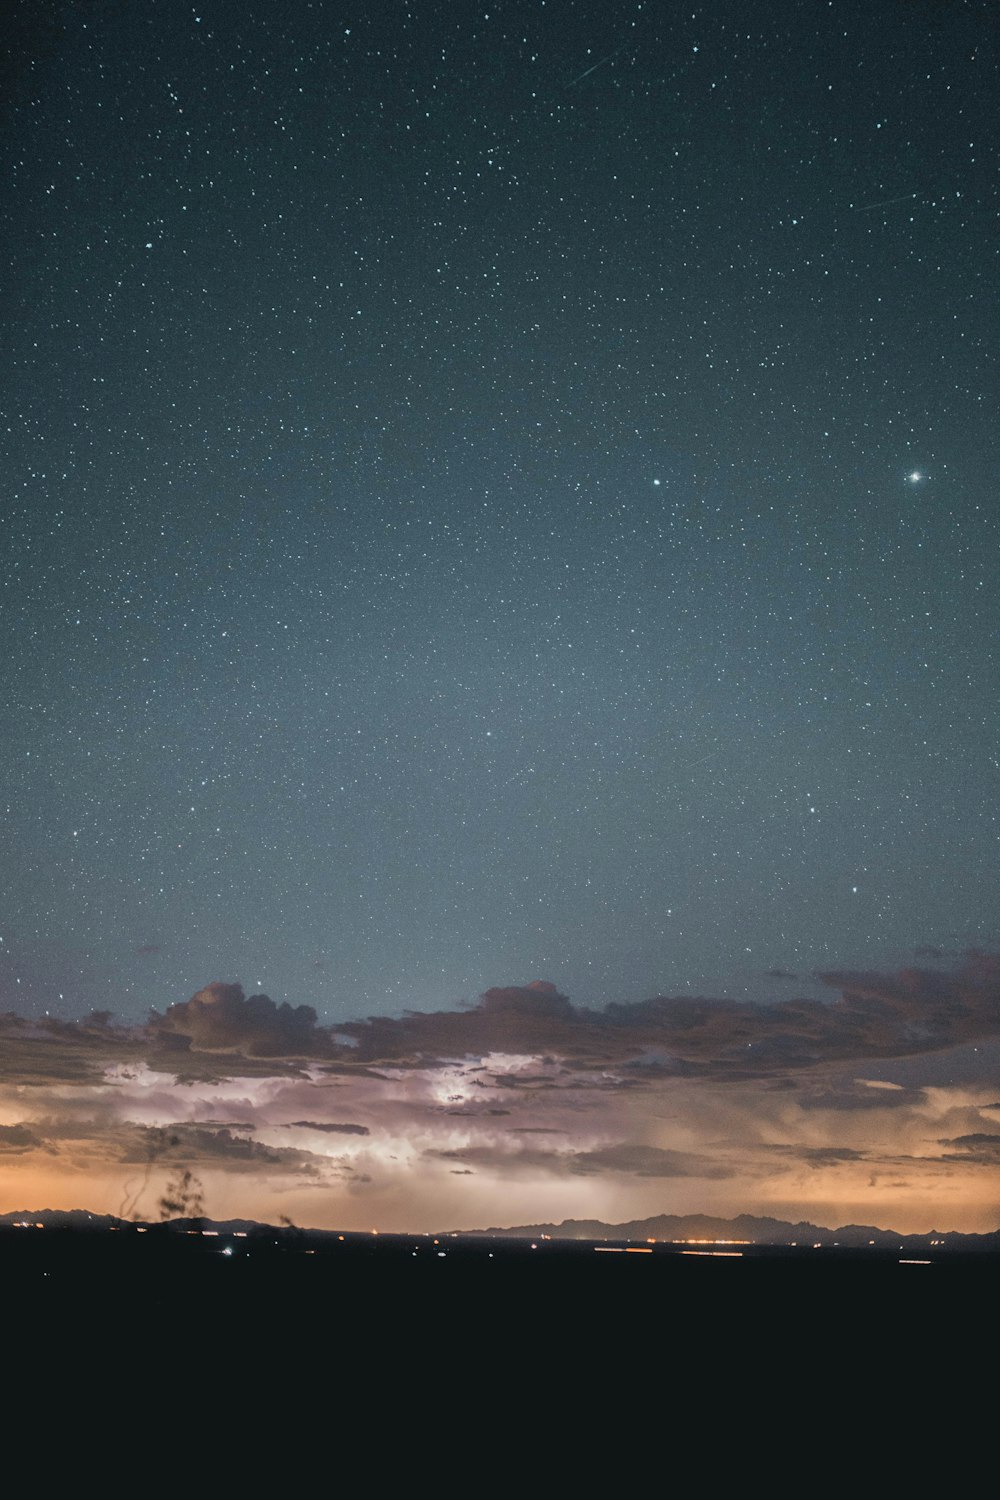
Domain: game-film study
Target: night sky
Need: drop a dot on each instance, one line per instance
(503, 493)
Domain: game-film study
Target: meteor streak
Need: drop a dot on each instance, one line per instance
(886, 202)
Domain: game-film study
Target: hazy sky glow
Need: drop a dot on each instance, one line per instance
(496, 495)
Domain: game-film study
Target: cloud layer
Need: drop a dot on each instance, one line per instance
(879, 1104)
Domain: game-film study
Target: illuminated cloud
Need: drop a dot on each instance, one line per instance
(220, 1018)
(879, 1105)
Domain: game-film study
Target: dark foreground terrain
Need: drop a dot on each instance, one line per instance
(234, 1282)
(533, 1355)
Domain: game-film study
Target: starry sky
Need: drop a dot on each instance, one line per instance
(502, 495)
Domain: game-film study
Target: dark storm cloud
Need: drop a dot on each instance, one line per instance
(220, 1018)
(627, 1159)
(473, 1114)
(978, 1147)
(330, 1129)
(522, 1019)
(818, 1156)
(220, 1032)
(646, 1161)
(50, 1051)
(196, 1146)
(17, 1138)
(504, 1160)
(875, 1016)
(857, 1097)
(565, 1081)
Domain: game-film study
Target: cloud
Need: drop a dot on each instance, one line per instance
(504, 1160)
(646, 1161)
(517, 1019)
(523, 1099)
(482, 1112)
(913, 1012)
(220, 1031)
(622, 1159)
(196, 1146)
(221, 1019)
(860, 1096)
(42, 1052)
(978, 1146)
(818, 1156)
(17, 1138)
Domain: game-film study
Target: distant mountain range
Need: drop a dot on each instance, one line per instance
(79, 1218)
(747, 1228)
(669, 1228)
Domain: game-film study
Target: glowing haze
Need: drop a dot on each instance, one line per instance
(880, 1104)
